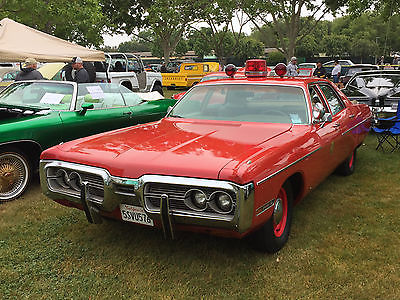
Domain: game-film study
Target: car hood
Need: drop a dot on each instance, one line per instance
(170, 147)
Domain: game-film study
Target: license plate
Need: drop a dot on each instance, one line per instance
(135, 214)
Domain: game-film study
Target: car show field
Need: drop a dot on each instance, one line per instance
(50, 251)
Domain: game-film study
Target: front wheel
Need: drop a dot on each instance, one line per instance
(347, 167)
(15, 173)
(273, 235)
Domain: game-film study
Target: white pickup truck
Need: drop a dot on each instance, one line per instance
(128, 70)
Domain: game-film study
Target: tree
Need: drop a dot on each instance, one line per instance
(81, 22)
(288, 13)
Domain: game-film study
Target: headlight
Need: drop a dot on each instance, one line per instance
(199, 199)
(75, 181)
(224, 202)
(196, 199)
(62, 178)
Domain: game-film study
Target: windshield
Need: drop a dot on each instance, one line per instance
(376, 81)
(44, 95)
(244, 102)
(106, 95)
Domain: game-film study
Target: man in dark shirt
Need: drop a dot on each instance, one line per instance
(28, 71)
(320, 71)
(81, 75)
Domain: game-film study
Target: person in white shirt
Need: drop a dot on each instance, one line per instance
(292, 67)
(336, 72)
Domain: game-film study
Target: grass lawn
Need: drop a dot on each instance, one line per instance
(344, 244)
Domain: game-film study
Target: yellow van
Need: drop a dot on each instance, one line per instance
(189, 74)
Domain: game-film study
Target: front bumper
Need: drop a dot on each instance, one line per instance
(159, 195)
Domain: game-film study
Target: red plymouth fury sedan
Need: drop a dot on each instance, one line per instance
(231, 158)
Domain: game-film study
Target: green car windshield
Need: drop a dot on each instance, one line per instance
(106, 95)
(244, 103)
(39, 95)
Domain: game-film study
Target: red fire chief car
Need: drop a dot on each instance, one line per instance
(231, 158)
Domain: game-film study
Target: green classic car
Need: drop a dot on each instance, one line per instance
(35, 115)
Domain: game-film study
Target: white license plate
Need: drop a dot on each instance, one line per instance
(135, 214)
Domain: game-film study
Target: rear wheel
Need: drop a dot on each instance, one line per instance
(15, 173)
(158, 88)
(273, 235)
(348, 166)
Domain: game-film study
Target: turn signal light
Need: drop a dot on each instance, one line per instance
(256, 68)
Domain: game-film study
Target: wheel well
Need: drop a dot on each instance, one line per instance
(127, 84)
(30, 148)
(297, 183)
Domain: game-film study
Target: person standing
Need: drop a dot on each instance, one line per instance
(319, 71)
(28, 71)
(396, 61)
(292, 68)
(81, 75)
(336, 72)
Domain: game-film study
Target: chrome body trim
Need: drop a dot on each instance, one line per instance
(287, 167)
(358, 124)
(133, 193)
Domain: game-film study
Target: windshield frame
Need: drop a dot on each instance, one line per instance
(306, 97)
(73, 84)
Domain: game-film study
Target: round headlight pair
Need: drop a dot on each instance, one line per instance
(219, 201)
(73, 180)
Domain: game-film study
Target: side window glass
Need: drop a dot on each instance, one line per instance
(206, 68)
(335, 103)
(316, 98)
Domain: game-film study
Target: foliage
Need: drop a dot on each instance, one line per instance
(287, 22)
(274, 58)
(81, 22)
(125, 16)
(133, 46)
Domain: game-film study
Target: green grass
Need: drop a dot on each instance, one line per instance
(344, 244)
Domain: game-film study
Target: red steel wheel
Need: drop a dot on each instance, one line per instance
(273, 235)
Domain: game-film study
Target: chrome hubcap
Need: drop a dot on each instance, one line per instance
(13, 172)
(278, 211)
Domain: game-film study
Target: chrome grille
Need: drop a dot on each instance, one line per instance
(68, 182)
(176, 194)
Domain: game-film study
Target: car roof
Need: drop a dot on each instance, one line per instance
(372, 72)
(295, 81)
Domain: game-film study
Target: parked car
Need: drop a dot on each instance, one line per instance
(380, 89)
(308, 65)
(356, 69)
(211, 76)
(35, 115)
(231, 158)
(344, 63)
(306, 72)
(189, 74)
(128, 70)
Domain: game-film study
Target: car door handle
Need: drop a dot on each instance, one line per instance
(352, 116)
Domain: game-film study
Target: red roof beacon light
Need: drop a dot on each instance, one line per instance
(280, 69)
(230, 70)
(256, 68)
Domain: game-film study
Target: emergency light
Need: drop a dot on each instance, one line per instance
(280, 69)
(230, 70)
(256, 68)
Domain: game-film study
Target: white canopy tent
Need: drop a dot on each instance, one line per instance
(18, 42)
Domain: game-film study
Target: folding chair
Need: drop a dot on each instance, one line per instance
(388, 132)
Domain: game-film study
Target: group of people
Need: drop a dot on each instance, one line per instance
(29, 72)
(293, 70)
